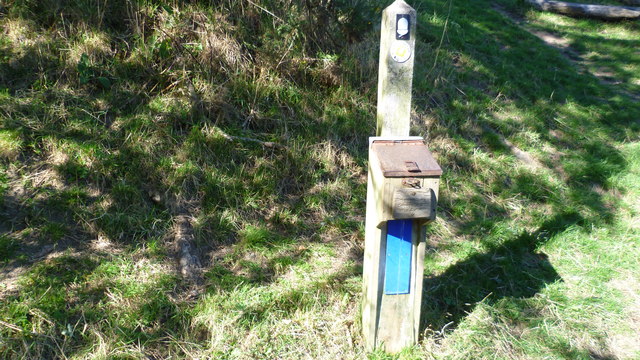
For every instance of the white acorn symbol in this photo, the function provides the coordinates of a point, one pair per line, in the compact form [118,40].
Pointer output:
[403,26]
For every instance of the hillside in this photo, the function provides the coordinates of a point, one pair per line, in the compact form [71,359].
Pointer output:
[129,127]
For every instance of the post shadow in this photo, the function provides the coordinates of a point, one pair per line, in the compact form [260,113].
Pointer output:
[513,269]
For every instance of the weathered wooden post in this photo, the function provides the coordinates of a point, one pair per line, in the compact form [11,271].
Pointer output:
[402,195]
[395,72]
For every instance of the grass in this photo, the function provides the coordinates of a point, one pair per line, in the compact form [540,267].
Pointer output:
[106,107]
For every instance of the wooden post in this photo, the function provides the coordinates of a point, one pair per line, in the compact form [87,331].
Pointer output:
[395,72]
[402,195]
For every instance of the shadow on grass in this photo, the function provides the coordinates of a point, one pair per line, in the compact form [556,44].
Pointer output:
[514,269]
[114,147]
[571,113]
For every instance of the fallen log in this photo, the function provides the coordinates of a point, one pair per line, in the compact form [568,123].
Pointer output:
[605,12]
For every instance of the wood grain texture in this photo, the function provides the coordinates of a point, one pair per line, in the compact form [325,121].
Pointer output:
[413,204]
[405,158]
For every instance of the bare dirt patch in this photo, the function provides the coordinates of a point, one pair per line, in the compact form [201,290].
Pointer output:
[552,39]
[10,274]
[29,186]
[9,280]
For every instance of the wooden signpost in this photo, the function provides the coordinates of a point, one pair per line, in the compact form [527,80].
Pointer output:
[402,195]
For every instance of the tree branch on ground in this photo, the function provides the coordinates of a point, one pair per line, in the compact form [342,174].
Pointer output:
[604,12]
[182,242]
[268,144]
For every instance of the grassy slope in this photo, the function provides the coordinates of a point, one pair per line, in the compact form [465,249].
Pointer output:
[534,254]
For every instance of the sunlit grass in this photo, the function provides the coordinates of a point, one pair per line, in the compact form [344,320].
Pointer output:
[10,144]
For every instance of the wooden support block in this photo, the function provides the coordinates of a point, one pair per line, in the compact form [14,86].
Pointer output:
[414,204]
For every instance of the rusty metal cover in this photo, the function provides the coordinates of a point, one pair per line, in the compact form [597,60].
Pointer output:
[405,158]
